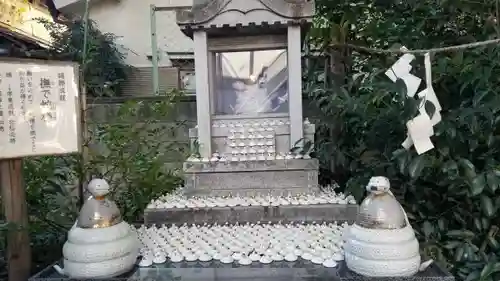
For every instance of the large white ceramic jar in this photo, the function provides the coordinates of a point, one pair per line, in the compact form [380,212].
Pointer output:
[100,244]
[382,242]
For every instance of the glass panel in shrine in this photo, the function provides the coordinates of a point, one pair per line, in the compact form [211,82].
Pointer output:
[188,81]
[250,83]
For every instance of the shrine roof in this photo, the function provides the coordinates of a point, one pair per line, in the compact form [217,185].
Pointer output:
[16,44]
[244,15]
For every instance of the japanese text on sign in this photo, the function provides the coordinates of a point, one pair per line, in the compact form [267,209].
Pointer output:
[38,109]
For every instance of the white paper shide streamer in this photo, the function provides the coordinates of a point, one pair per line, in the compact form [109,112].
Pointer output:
[420,128]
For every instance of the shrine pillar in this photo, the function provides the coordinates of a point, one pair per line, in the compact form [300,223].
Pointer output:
[203,100]
[295,84]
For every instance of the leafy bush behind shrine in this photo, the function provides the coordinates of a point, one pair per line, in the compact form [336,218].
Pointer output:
[451,193]
[130,151]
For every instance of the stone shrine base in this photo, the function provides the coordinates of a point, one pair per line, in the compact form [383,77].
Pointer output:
[275,177]
[326,206]
[276,271]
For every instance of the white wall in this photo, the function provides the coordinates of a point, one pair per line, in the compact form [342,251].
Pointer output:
[130,20]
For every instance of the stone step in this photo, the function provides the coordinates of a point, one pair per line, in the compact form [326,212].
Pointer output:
[276,271]
[293,176]
[253,214]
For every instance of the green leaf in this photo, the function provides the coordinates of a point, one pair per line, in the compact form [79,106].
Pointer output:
[398,153]
[465,234]
[458,216]
[450,245]
[459,253]
[430,108]
[410,108]
[441,224]
[468,252]
[487,206]
[489,269]
[428,229]
[485,222]
[473,276]
[477,185]
[467,167]
[449,166]
[416,166]
[401,88]
[493,182]
[478,97]
[458,58]
[477,224]
[493,242]
[497,171]
[402,157]
[491,140]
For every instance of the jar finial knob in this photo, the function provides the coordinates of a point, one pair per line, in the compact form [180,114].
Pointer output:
[378,185]
[98,187]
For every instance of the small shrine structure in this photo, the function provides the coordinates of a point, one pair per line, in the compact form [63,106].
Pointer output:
[249,98]
[248,66]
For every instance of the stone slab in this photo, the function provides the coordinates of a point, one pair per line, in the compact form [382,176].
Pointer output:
[251,183]
[277,271]
[256,166]
[253,214]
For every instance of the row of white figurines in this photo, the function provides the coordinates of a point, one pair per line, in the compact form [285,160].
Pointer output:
[250,150]
[256,137]
[252,144]
[321,244]
[181,201]
[250,131]
[241,156]
[255,125]
[328,190]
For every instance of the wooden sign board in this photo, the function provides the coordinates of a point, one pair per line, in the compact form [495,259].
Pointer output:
[39,108]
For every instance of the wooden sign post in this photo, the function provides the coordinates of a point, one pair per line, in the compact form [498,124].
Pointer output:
[39,115]
[16,214]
